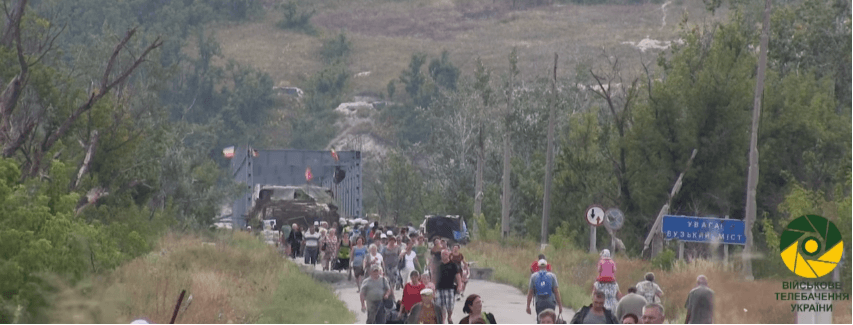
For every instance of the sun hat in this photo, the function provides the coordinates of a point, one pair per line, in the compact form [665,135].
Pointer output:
[426,292]
[383,236]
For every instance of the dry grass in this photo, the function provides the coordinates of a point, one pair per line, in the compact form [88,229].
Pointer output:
[386,33]
[738,301]
[233,278]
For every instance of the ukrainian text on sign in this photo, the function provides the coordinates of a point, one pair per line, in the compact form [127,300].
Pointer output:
[707,230]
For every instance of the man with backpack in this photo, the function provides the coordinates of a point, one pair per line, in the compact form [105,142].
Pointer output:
[543,285]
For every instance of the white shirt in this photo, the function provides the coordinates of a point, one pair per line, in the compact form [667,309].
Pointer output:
[311,240]
[374,259]
[410,260]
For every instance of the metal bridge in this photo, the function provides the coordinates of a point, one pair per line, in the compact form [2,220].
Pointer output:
[257,167]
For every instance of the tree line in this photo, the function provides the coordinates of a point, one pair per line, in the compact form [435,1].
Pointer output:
[625,133]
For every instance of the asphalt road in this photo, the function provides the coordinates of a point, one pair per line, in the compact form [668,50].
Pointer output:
[506,302]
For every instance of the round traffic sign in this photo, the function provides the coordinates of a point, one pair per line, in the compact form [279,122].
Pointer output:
[613,219]
[595,215]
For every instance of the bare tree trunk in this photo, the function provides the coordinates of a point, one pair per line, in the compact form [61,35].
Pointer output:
[506,189]
[549,158]
[655,233]
[87,160]
[752,177]
[13,23]
[478,178]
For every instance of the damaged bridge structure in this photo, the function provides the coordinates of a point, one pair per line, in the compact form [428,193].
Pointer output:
[295,186]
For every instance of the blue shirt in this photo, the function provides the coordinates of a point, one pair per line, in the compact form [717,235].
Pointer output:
[358,255]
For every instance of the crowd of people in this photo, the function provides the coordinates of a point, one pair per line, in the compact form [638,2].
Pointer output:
[431,277]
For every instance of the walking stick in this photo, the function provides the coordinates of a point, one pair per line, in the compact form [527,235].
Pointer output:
[178,306]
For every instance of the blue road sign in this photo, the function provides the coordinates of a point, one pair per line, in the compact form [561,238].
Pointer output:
[705,230]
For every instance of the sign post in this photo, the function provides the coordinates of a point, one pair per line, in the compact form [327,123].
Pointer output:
[613,220]
[595,217]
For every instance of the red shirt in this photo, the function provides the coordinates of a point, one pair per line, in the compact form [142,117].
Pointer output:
[412,295]
[535,267]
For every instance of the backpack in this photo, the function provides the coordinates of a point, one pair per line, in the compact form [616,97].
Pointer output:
[543,284]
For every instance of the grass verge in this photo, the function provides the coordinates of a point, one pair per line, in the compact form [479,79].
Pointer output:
[737,301]
[232,277]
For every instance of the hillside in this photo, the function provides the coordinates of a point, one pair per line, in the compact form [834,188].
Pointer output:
[230,277]
[386,33]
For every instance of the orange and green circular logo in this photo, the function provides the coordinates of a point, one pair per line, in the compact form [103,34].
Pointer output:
[811,246]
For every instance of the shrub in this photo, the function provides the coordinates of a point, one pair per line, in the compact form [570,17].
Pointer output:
[664,260]
[336,48]
[296,19]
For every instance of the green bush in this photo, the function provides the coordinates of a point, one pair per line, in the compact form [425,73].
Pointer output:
[296,19]
[485,231]
[336,48]
[563,237]
[665,260]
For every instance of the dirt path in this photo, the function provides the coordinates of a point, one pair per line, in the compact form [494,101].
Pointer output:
[506,302]
[663,19]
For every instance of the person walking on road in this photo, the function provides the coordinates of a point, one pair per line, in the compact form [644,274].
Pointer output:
[330,249]
[449,282]
[653,314]
[474,308]
[312,245]
[649,289]
[359,252]
[374,258]
[595,313]
[391,256]
[410,261]
[375,289]
[457,257]
[700,303]
[632,303]
[436,256]
[422,252]
[411,293]
[426,312]
[295,240]
[544,286]
[344,253]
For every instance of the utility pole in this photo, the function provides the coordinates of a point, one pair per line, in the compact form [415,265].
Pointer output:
[549,159]
[752,178]
[482,84]
[505,198]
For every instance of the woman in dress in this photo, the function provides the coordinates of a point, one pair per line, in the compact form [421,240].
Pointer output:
[359,252]
[330,245]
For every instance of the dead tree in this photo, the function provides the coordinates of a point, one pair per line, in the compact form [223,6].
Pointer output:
[17,128]
[620,98]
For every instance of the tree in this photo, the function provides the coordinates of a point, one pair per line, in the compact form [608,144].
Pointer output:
[620,96]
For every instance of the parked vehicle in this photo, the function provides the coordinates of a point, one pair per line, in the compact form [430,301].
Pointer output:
[449,227]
